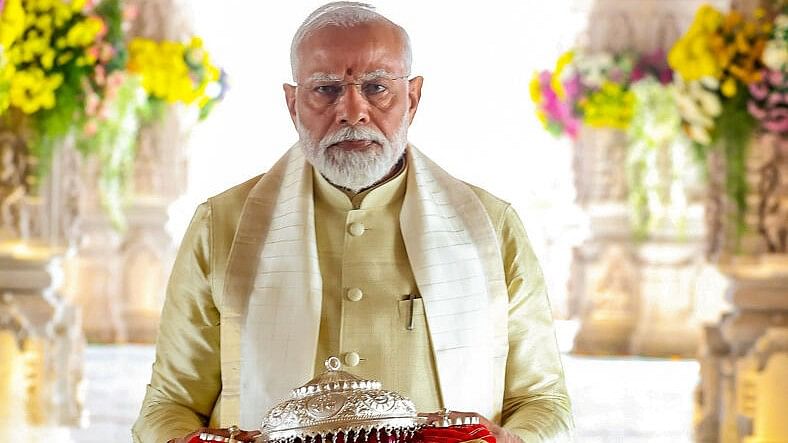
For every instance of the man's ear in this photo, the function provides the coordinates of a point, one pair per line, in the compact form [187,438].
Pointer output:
[414,93]
[290,98]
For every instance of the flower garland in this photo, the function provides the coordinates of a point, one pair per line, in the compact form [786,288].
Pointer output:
[718,63]
[628,92]
[66,71]
[585,88]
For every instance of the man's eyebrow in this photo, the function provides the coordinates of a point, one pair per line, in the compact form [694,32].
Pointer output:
[376,74]
[324,77]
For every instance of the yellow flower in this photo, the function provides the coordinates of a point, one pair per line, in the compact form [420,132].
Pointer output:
[728,87]
[165,73]
[77,5]
[47,59]
[12,22]
[535,89]
[83,33]
[31,90]
[555,80]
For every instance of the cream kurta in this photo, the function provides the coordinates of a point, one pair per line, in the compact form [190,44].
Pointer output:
[186,381]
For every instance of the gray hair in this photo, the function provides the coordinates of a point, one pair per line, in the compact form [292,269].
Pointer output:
[346,15]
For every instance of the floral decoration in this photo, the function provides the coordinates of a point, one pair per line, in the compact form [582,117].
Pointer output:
[66,72]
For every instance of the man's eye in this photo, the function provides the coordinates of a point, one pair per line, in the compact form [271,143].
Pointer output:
[374,88]
[328,89]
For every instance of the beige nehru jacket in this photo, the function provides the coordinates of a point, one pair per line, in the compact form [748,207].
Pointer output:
[368,289]
[373,266]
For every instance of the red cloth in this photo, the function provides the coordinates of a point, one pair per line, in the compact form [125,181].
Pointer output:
[455,434]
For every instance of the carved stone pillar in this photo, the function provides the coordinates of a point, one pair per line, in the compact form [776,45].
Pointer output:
[120,276]
[738,395]
[604,289]
[39,328]
[160,174]
[631,297]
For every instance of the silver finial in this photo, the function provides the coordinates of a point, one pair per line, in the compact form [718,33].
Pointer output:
[333,363]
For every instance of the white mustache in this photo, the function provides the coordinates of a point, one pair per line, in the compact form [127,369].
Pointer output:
[350,133]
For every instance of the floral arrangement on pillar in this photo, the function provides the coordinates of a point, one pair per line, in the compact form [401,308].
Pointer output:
[728,98]
[722,85]
[68,74]
[632,93]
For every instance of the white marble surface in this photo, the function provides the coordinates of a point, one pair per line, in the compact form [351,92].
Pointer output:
[614,399]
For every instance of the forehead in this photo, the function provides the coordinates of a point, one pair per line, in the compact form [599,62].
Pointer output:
[354,51]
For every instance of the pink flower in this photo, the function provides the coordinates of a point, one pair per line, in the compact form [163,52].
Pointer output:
[92,103]
[759,91]
[777,126]
[775,78]
[90,129]
[100,74]
[774,99]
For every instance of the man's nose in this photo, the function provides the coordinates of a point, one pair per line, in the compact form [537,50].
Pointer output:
[352,107]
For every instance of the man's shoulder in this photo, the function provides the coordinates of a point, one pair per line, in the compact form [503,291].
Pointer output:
[495,206]
[226,207]
[234,196]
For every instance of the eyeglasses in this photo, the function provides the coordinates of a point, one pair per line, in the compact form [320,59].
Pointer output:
[379,91]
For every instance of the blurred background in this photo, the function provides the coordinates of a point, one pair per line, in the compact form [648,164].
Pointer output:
[642,142]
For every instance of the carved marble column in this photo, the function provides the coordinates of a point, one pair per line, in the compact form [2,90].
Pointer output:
[738,393]
[160,174]
[632,297]
[147,250]
[120,276]
[39,327]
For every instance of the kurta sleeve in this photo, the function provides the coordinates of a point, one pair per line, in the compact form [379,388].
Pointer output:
[536,405]
[185,382]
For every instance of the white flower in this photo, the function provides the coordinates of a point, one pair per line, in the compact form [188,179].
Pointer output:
[699,134]
[710,103]
[710,82]
[593,67]
[775,54]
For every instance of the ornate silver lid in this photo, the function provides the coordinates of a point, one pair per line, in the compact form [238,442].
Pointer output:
[338,403]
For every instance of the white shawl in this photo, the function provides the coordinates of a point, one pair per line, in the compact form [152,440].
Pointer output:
[271,305]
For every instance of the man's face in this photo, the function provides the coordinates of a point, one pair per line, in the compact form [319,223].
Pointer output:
[353,134]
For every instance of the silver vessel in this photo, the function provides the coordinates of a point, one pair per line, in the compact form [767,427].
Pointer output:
[339,407]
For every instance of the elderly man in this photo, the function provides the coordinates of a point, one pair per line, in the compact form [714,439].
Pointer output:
[355,244]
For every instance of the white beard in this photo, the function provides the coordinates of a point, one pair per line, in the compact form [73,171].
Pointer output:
[354,170]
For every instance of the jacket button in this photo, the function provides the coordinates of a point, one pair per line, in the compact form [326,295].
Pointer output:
[354,294]
[356,229]
[352,359]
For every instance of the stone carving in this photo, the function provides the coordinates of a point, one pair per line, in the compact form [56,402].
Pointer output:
[600,170]
[748,339]
[48,337]
[39,222]
[14,184]
[772,188]
[609,310]
[766,218]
